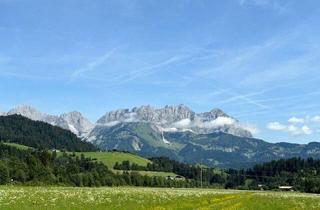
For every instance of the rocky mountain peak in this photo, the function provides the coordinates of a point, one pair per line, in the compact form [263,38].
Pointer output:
[26,111]
[213,114]
[73,121]
[177,118]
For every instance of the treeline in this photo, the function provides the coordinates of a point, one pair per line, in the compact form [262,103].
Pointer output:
[36,134]
[35,167]
[302,174]
[208,176]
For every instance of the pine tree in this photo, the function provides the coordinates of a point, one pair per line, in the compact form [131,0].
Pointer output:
[4,173]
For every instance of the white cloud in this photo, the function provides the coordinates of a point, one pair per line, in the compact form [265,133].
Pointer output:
[251,128]
[293,130]
[130,117]
[219,122]
[290,129]
[295,120]
[316,119]
[110,124]
[185,123]
[276,126]
[306,130]
[168,129]
[216,123]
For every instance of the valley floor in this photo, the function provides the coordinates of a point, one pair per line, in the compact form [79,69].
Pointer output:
[15,197]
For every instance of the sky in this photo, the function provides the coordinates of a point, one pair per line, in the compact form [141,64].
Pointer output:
[258,60]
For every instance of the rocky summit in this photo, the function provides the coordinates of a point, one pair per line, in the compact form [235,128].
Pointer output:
[177,119]
[72,121]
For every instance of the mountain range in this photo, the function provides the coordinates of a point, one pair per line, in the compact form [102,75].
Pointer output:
[73,121]
[212,138]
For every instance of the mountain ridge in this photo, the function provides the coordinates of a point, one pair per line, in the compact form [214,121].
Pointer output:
[177,118]
[73,121]
[213,138]
[169,118]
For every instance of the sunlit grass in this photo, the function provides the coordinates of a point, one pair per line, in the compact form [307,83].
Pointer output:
[110,158]
[150,198]
[18,146]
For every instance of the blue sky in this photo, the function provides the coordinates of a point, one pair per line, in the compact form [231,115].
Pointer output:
[258,60]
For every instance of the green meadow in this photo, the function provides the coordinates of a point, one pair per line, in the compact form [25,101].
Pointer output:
[110,158]
[61,198]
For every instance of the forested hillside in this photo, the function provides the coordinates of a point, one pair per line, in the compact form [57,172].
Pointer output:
[36,167]
[36,134]
[302,174]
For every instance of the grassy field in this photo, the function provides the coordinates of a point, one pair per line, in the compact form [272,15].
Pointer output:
[18,146]
[151,173]
[110,158]
[151,198]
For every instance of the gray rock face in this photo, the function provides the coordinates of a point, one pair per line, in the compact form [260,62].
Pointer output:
[75,122]
[168,114]
[212,115]
[72,121]
[29,112]
[178,118]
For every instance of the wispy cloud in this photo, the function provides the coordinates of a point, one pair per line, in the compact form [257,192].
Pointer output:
[279,7]
[5,59]
[246,98]
[91,65]
[24,76]
[148,70]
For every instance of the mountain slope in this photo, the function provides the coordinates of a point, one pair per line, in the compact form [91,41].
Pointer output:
[21,130]
[214,149]
[138,137]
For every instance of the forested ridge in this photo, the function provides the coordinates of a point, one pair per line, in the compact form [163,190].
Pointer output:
[36,134]
[40,167]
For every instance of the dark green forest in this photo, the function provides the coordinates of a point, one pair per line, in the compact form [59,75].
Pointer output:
[36,167]
[36,134]
[40,167]
[302,174]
